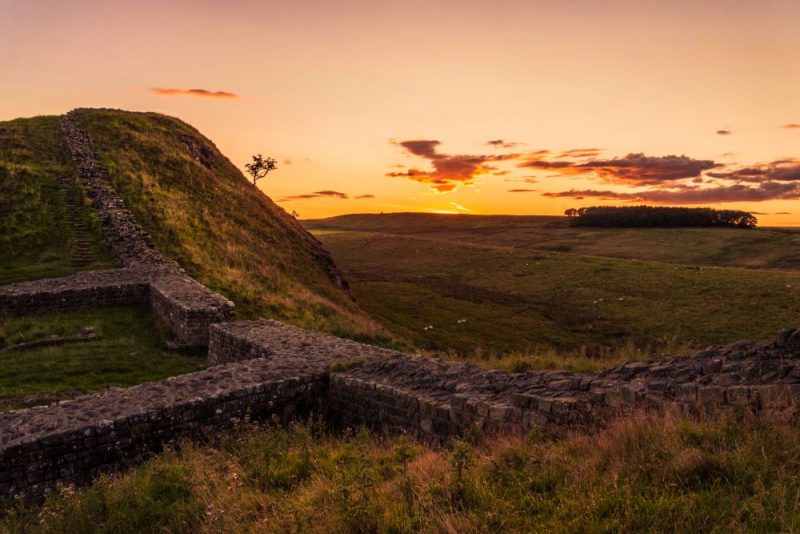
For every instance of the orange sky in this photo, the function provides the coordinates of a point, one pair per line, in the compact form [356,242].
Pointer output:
[345,93]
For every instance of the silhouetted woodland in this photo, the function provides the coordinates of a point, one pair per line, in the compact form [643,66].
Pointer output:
[656,216]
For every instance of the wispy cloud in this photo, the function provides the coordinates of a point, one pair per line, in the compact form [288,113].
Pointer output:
[459,207]
[522,190]
[193,92]
[791,125]
[360,197]
[784,170]
[317,194]
[694,195]
[724,132]
[502,143]
[580,153]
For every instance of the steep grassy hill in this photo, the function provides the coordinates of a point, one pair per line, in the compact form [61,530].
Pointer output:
[201,211]
[774,248]
[36,237]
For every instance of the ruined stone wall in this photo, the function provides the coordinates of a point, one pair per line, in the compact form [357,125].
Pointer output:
[127,240]
[435,400]
[188,307]
[73,442]
[280,369]
[92,289]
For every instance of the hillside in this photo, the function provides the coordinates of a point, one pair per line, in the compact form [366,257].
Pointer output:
[45,230]
[201,211]
[773,248]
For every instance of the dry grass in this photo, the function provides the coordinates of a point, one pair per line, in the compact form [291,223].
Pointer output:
[642,474]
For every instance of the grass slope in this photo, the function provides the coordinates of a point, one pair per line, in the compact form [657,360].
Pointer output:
[504,299]
[201,211]
[35,238]
[775,248]
[659,474]
[129,349]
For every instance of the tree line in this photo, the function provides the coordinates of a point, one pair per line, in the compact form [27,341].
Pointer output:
[656,216]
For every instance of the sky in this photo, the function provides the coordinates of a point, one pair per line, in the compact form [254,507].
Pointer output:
[480,107]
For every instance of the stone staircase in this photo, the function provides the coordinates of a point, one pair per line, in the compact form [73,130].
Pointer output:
[81,253]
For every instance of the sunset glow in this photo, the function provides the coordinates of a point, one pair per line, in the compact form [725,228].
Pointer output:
[505,106]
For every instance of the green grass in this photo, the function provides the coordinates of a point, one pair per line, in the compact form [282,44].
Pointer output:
[492,300]
[202,212]
[130,348]
[643,474]
[774,248]
[35,238]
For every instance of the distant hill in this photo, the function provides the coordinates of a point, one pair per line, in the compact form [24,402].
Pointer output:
[196,204]
[765,247]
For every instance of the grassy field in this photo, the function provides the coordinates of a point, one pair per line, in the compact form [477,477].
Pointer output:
[129,349]
[202,212]
[481,300]
[657,474]
[35,239]
[774,248]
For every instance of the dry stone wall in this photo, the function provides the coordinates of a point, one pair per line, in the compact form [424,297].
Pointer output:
[277,369]
[92,289]
[75,441]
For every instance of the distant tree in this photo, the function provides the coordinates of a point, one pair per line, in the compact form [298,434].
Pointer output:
[260,167]
[659,216]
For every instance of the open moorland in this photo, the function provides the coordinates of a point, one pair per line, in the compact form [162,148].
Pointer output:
[539,290]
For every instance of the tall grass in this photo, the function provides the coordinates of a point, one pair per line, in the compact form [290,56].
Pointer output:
[643,474]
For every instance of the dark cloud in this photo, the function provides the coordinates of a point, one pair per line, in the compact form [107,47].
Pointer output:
[522,190]
[695,195]
[193,92]
[791,125]
[365,196]
[449,171]
[501,143]
[523,180]
[724,132]
[633,169]
[317,194]
[784,170]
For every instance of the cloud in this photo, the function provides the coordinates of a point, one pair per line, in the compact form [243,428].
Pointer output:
[502,143]
[365,196]
[791,125]
[193,92]
[694,195]
[523,180]
[317,194]
[724,132]
[459,207]
[784,170]
[449,171]
[633,169]
[287,161]
[580,153]
[522,190]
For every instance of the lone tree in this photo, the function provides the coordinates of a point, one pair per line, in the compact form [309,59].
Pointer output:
[260,167]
